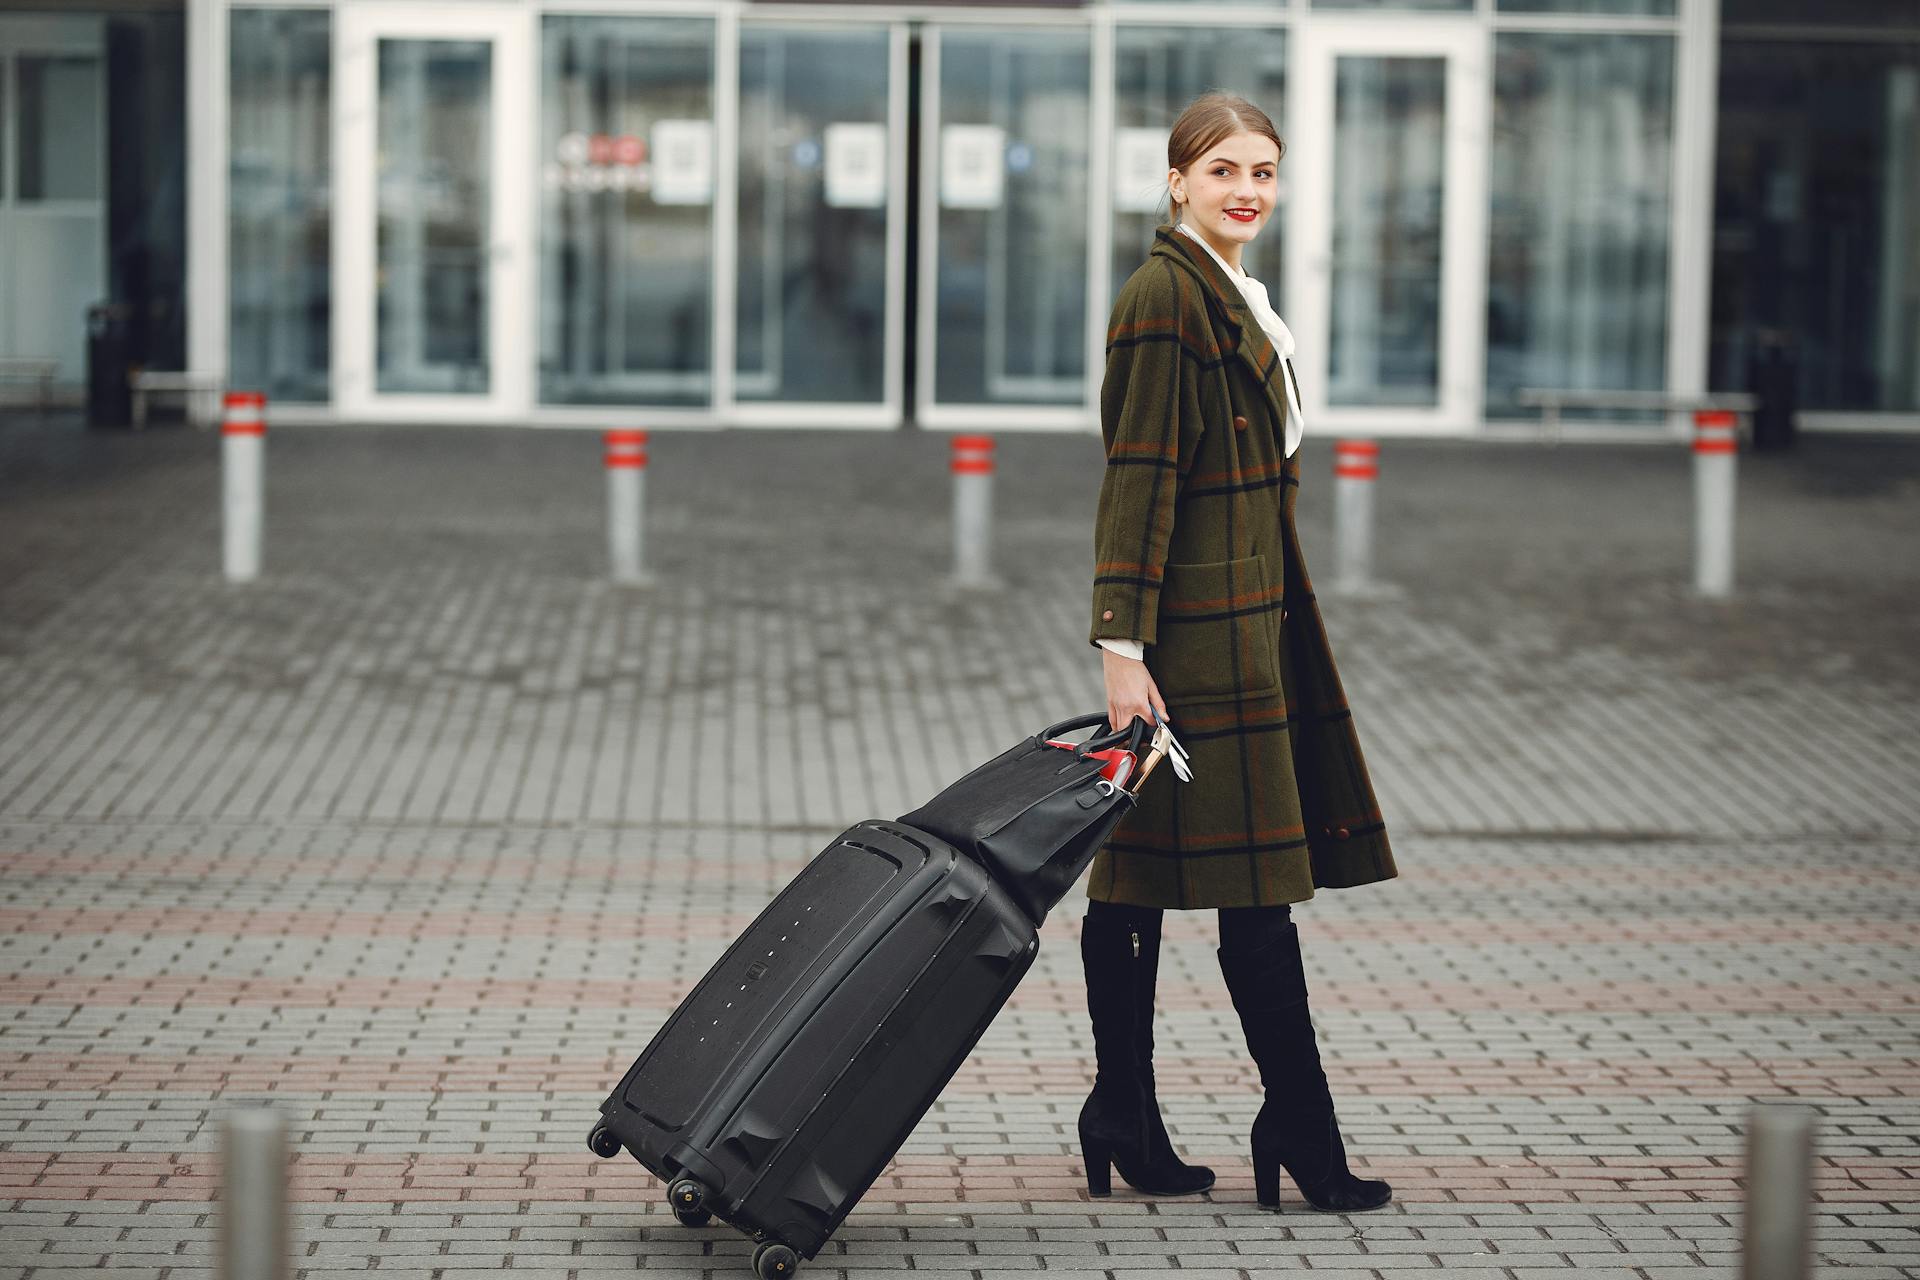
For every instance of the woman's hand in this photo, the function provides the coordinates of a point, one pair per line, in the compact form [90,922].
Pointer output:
[1130,691]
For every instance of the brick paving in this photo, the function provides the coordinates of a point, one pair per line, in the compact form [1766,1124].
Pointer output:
[420,838]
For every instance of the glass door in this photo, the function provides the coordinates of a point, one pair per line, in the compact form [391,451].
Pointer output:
[1386,267]
[820,265]
[432,315]
[1005,186]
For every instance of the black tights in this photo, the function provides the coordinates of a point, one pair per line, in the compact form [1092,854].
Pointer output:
[1242,929]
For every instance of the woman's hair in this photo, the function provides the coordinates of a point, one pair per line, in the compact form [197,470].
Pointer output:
[1207,119]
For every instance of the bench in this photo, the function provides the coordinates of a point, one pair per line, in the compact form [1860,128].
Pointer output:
[33,369]
[201,392]
[1550,401]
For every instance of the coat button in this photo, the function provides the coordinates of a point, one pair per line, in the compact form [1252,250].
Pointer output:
[1341,833]
[1107,616]
[1239,423]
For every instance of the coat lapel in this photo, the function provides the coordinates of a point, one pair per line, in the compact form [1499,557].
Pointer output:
[1250,341]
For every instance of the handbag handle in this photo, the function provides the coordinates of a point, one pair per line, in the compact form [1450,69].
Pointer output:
[1133,735]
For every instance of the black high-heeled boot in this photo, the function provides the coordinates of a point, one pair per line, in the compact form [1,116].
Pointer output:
[1120,1124]
[1296,1129]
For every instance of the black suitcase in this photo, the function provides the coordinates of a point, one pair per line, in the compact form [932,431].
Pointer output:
[809,1028]
[779,1089]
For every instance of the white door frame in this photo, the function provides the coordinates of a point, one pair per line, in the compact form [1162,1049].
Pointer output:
[1310,113]
[511,304]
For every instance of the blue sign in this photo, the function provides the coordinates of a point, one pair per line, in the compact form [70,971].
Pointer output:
[806,153]
[1019,157]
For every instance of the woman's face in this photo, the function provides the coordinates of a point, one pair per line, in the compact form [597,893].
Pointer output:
[1229,192]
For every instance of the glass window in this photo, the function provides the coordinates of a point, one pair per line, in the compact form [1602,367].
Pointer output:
[1580,194]
[1389,146]
[1012,186]
[1157,72]
[1817,220]
[279,221]
[1455,6]
[59,116]
[813,215]
[434,125]
[1657,8]
[626,229]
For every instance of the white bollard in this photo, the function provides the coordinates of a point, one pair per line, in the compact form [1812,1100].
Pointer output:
[1715,446]
[254,1241]
[243,447]
[626,462]
[1778,1235]
[1356,465]
[972,467]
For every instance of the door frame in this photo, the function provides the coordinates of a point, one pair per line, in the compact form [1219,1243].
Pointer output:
[510,287]
[1465,45]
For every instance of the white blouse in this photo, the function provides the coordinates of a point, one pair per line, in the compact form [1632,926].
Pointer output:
[1282,339]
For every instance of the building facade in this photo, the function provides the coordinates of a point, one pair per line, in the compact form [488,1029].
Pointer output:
[698,213]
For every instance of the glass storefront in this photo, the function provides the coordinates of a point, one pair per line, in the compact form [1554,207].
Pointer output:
[432,239]
[279,206]
[719,206]
[1013,191]
[811,306]
[1817,216]
[1581,204]
[627,200]
[1389,152]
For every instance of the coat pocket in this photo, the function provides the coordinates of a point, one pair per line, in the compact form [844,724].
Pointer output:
[1216,639]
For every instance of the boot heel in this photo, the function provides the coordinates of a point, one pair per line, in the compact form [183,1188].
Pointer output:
[1099,1158]
[1266,1184]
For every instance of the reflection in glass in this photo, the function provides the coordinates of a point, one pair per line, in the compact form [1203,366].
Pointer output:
[435,191]
[278,210]
[1657,8]
[626,224]
[1157,72]
[1389,157]
[1577,250]
[1457,6]
[813,214]
[59,114]
[1012,159]
[1817,221]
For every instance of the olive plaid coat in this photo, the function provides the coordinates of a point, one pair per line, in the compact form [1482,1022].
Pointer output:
[1196,554]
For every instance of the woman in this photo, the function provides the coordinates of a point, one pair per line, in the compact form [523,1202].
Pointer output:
[1206,618]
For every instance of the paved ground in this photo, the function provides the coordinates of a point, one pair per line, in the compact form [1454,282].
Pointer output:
[422,836]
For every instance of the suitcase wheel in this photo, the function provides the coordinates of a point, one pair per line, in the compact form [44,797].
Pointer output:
[688,1199]
[602,1142]
[775,1261]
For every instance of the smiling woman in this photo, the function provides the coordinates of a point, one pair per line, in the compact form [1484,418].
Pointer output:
[1202,604]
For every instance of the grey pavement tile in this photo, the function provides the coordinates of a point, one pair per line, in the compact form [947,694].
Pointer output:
[433,747]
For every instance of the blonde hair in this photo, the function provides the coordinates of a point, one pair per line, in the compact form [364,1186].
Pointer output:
[1207,119]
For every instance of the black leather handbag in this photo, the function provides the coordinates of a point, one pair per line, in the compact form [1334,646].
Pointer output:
[1036,814]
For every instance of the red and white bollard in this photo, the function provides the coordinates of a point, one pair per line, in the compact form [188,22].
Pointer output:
[1356,465]
[1715,446]
[626,461]
[972,467]
[243,447]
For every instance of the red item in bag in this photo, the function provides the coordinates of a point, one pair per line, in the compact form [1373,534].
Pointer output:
[1118,761]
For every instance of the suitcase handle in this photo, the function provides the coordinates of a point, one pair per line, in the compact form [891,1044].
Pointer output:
[1133,735]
